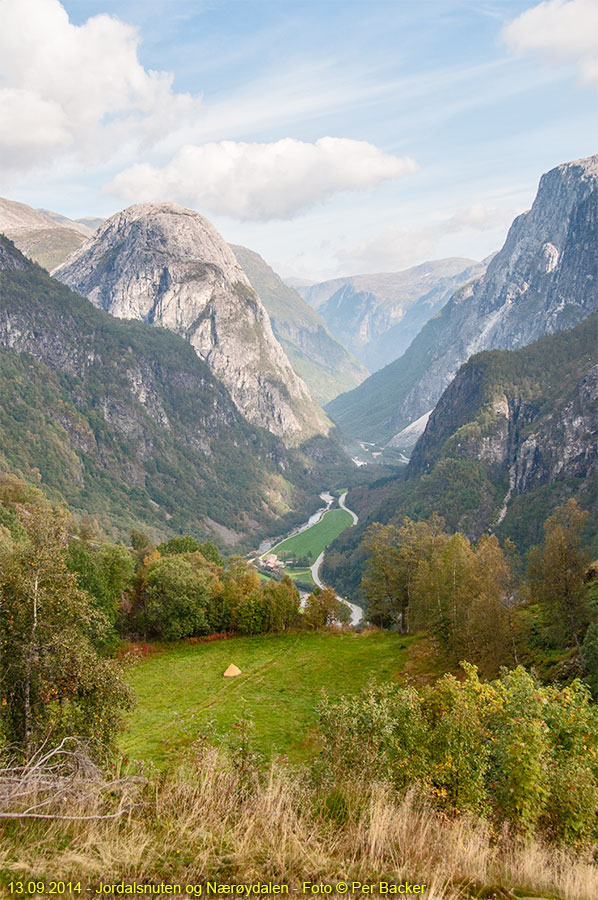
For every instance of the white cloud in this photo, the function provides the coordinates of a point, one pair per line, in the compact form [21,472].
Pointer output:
[261,181]
[76,89]
[78,96]
[559,31]
[396,247]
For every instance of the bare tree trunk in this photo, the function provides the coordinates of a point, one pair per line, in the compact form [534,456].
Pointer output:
[512,633]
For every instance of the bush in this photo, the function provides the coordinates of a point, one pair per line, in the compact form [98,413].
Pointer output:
[179,592]
[528,753]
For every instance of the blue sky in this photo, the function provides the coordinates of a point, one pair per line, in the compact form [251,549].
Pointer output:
[444,114]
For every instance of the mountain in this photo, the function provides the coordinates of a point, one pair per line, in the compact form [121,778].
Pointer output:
[325,366]
[544,279]
[43,236]
[168,266]
[127,423]
[377,316]
[79,225]
[513,436]
[91,222]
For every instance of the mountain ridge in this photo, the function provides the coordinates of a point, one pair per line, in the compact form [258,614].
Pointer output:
[545,278]
[167,265]
[40,234]
[323,363]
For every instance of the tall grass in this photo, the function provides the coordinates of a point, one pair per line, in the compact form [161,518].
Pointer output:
[218,818]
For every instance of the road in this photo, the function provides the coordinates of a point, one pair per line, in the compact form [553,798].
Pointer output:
[356,611]
[341,503]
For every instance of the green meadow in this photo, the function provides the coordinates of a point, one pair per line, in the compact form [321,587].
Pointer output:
[315,539]
[182,694]
[302,575]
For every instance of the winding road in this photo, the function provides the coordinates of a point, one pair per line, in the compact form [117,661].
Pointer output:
[356,611]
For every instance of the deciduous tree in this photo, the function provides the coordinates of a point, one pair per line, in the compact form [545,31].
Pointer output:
[52,680]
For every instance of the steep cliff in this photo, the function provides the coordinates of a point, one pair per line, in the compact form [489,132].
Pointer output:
[168,266]
[326,366]
[527,418]
[544,279]
[128,424]
[514,435]
[377,316]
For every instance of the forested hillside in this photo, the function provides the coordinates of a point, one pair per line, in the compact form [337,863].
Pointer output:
[512,436]
[127,424]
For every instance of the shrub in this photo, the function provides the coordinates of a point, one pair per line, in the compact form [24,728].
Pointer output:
[527,752]
[179,591]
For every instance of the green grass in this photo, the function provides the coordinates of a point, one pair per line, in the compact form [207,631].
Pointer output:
[181,692]
[316,538]
[303,575]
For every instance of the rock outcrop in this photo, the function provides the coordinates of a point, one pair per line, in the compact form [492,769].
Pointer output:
[168,266]
[326,366]
[544,279]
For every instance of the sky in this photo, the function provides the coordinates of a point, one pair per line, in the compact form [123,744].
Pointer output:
[333,137]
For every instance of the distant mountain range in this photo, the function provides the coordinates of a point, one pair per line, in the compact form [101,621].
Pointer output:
[544,279]
[377,316]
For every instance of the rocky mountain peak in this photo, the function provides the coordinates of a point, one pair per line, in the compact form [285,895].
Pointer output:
[179,232]
[543,280]
[169,266]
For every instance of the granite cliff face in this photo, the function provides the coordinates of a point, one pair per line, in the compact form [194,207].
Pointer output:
[168,266]
[544,279]
[325,365]
[377,316]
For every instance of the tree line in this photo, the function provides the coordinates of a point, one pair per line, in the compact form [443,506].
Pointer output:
[68,598]
[475,600]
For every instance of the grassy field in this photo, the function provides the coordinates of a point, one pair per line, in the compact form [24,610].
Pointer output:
[316,538]
[181,691]
[303,575]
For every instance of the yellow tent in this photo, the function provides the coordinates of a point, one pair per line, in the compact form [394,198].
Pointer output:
[232,671]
